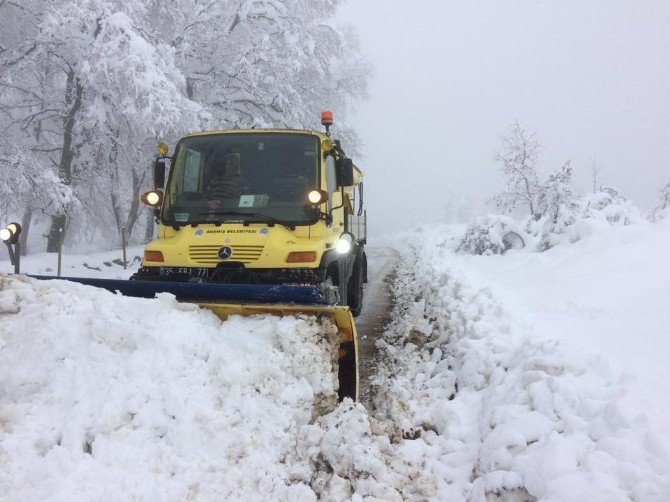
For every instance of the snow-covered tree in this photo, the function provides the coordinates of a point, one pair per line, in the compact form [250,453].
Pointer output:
[551,205]
[517,158]
[556,206]
[89,86]
[27,187]
[265,62]
[555,196]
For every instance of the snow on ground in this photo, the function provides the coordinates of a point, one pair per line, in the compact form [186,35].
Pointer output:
[104,265]
[508,406]
[104,397]
[606,295]
[494,379]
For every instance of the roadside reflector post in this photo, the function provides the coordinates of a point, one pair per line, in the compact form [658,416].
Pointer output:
[17,257]
[123,244]
[60,249]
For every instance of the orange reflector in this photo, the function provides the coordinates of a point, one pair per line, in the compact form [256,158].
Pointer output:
[301,257]
[341,353]
[153,256]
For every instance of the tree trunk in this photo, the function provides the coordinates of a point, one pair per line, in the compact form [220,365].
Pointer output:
[115,183]
[139,177]
[73,95]
[25,228]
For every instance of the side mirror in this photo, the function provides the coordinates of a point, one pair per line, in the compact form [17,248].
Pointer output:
[345,172]
[159,173]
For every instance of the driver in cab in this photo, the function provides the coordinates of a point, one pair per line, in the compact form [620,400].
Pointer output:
[225,184]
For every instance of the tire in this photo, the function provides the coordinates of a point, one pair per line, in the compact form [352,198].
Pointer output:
[355,289]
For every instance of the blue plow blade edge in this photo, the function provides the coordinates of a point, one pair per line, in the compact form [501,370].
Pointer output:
[199,292]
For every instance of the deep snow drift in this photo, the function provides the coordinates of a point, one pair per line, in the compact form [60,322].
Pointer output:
[502,406]
[607,295]
[497,375]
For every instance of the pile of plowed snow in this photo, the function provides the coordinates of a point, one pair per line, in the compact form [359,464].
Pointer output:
[104,397]
[494,405]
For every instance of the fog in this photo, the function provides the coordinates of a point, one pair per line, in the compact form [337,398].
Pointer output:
[591,78]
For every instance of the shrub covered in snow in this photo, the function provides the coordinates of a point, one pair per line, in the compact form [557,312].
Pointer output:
[553,214]
[493,234]
[577,218]
[560,218]
[610,206]
[663,209]
[558,209]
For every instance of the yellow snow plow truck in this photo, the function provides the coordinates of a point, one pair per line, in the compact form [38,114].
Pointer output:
[272,221]
[259,221]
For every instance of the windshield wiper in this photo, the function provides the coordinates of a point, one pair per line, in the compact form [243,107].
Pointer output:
[271,221]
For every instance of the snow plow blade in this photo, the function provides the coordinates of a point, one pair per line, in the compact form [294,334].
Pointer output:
[252,299]
[202,292]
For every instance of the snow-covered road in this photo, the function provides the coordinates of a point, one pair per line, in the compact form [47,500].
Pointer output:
[375,314]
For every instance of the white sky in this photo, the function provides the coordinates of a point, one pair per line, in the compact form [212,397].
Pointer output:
[592,78]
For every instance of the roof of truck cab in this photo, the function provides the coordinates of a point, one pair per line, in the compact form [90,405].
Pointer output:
[322,135]
[257,131]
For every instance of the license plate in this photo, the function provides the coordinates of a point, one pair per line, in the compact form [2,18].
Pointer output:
[191,271]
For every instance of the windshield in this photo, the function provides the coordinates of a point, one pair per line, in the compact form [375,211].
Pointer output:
[243,177]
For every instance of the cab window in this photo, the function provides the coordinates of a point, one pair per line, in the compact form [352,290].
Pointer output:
[192,170]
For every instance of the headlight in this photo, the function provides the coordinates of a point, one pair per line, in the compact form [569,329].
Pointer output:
[344,243]
[317,197]
[153,198]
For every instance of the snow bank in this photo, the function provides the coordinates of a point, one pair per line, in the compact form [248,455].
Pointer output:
[501,411]
[469,405]
[107,397]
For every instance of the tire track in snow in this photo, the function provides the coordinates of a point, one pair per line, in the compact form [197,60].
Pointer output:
[375,315]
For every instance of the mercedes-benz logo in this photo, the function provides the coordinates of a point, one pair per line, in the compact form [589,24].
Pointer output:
[225,252]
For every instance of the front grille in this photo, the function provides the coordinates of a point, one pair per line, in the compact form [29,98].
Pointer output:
[208,255]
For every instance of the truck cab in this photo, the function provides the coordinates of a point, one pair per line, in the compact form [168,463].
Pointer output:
[259,206]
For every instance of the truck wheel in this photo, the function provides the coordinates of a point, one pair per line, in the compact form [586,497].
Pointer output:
[355,289]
